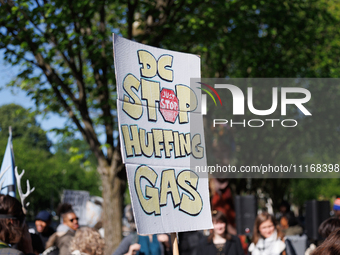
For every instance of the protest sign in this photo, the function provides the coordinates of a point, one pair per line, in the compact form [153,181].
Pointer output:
[78,199]
[162,137]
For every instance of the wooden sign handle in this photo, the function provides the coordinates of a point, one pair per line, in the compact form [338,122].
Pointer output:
[174,242]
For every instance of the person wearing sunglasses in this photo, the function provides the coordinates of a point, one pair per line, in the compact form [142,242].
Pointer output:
[65,231]
[71,220]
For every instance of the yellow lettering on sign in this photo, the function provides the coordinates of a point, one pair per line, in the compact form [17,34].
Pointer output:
[151,203]
[163,62]
[168,138]
[190,206]
[187,102]
[138,142]
[149,68]
[158,139]
[197,151]
[147,146]
[151,93]
[132,141]
[132,104]
[185,144]
[169,185]
[176,145]
[190,202]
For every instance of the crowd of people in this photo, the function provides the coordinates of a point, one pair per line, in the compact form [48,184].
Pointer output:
[17,239]
[270,236]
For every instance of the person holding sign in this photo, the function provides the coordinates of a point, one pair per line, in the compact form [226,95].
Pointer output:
[143,245]
[267,239]
[220,242]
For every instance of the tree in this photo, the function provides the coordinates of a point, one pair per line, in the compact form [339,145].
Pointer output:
[264,39]
[269,39]
[68,68]
[65,51]
[48,173]
[24,126]
[78,150]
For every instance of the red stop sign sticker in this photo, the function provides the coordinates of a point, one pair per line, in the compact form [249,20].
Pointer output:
[169,105]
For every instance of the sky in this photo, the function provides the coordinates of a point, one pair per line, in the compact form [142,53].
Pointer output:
[16,96]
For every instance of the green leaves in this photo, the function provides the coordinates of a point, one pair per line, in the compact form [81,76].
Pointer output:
[71,167]
[66,48]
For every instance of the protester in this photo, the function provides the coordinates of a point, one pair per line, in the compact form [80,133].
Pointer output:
[87,241]
[188,242]
[222,200]
[143,244]
[131,250]
[129,225]
[295,240]
[65,231]
[284,208]
[325,229]
[37,244]
[42,226]
[13,229]
[336,207]
[220,241]
[289,225]
[267,239]
[331,246]
[328,226]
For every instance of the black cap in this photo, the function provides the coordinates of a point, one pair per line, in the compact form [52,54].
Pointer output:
[44,216]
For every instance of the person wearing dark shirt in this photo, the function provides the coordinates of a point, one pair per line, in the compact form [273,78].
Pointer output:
[13,230]
[220,242]
[42,226]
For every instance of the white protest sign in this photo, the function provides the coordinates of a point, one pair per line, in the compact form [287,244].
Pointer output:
[162,137]
[78,200]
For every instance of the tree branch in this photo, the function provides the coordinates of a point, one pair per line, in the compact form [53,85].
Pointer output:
[130,16]
[54,79]
[101,81]
[104,99]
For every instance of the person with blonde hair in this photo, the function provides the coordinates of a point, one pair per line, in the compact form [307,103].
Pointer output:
[87,241]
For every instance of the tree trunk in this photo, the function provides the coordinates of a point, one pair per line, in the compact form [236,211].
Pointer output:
[113,190]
